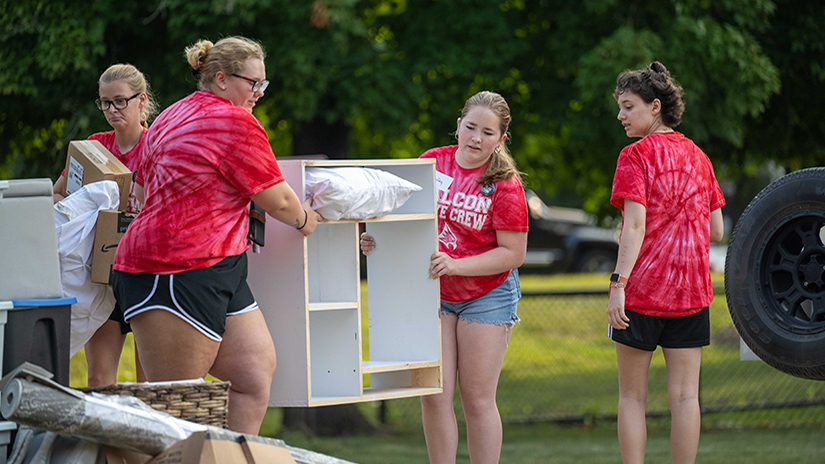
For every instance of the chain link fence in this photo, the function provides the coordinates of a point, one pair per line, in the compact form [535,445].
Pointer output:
[560,366]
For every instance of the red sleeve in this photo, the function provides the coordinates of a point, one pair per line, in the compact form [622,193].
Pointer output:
[630,181]
[510,207]
[252,168]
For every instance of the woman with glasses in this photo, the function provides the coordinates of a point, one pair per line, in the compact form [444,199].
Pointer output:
[127,103]
[180,269]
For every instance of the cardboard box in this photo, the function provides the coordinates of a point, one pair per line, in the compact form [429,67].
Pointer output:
[111,225]
[213,447]
[88,161]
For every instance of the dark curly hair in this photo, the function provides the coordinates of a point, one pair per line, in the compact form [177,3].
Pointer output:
[651,83]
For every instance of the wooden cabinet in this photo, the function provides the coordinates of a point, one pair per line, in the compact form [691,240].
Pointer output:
[309,290]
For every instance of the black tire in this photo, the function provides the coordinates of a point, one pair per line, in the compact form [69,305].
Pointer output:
[775,274]
[598,260]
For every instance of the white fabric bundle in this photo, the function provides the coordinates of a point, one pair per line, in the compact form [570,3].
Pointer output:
[356,193]
[75,219]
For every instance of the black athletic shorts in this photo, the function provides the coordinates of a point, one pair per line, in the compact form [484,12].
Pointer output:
[201,297]
[647,332]
[117,316]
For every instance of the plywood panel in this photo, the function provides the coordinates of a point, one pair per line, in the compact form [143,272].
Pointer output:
[276,277]
[334,355]
[403,301]
[332,257]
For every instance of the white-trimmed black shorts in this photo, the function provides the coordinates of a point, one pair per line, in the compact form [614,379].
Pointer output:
[201,297]
[647,332]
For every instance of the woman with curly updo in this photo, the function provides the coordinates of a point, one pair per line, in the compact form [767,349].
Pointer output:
[661,289]
[180,269]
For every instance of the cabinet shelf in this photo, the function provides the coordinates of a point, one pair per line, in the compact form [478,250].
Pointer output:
[332,306]
[368,367]
[388,218]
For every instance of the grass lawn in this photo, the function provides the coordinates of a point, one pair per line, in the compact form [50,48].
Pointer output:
[550,444]
[559,363]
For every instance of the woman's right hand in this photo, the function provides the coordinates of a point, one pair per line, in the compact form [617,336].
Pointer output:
[367,244]
[313,218]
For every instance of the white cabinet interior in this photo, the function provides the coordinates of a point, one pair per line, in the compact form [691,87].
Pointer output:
[309,290]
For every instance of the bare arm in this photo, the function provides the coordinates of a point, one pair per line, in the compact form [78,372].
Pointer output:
[717,225]
[57,193]
[509,254]
[280,202]
[630,242]
[139,194]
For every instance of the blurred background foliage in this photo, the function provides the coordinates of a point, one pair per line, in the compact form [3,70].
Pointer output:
[387,78]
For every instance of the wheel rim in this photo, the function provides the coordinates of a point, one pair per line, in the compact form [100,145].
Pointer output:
[792,273]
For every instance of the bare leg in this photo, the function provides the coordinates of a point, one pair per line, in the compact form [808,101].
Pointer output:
[437,413]
[633,369]
[103,354]
[481,349]
[247,359]
[139,374]
[170,348]
[683,394]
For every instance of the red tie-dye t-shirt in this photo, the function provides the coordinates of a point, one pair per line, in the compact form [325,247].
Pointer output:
[204,157]
[674,180]
[468,220]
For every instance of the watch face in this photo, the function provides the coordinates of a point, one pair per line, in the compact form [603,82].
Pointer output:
[614,277]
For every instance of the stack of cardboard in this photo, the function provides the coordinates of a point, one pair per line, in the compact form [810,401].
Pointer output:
[88,161]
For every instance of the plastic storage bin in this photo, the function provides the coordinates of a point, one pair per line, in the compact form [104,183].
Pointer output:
[30,265]
[38,331]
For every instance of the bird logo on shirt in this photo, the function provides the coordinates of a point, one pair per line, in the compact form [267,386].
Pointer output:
[448,238]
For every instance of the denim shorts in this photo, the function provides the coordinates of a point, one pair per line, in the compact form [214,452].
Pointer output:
[497,307]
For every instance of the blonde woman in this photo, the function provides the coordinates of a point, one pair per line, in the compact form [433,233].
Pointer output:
[180,269]
[482,225]
[127,102]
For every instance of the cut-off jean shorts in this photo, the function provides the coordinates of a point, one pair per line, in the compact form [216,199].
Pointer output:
[497,307]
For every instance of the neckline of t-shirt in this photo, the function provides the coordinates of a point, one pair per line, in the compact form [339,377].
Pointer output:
[471,170]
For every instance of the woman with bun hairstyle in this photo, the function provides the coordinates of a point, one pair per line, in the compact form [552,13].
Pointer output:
[661,289]
[482,240]
[180,269]
[127,102]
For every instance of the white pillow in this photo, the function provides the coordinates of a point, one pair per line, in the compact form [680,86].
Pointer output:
[356,193]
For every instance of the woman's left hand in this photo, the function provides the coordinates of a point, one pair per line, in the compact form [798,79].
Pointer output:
[442,264]
[616,316]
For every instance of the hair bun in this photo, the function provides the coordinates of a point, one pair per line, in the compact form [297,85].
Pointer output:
[658,68]
[196,54]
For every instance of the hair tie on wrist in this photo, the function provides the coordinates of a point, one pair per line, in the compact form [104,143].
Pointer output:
[306,218]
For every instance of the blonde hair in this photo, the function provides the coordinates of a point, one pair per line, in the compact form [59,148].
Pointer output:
[137,82]
[501,166]
[228,56]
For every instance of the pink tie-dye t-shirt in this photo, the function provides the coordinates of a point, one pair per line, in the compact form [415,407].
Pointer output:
[204,157]
[468,220]
[674,180]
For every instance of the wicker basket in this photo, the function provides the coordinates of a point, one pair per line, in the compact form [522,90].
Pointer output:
[201,402]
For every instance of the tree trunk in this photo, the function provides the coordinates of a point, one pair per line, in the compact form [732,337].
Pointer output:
[318,137]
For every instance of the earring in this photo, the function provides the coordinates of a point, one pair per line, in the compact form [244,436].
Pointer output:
[223,87]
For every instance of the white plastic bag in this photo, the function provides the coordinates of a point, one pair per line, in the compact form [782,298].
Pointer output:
[356,193]
[75,219]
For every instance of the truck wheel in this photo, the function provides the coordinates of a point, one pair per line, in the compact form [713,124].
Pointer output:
[775,274]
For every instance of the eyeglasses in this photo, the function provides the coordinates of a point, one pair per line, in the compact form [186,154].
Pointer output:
[119,103]
[257,85]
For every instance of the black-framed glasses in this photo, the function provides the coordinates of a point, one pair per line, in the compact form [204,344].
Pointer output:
[257,85]
[120,103]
